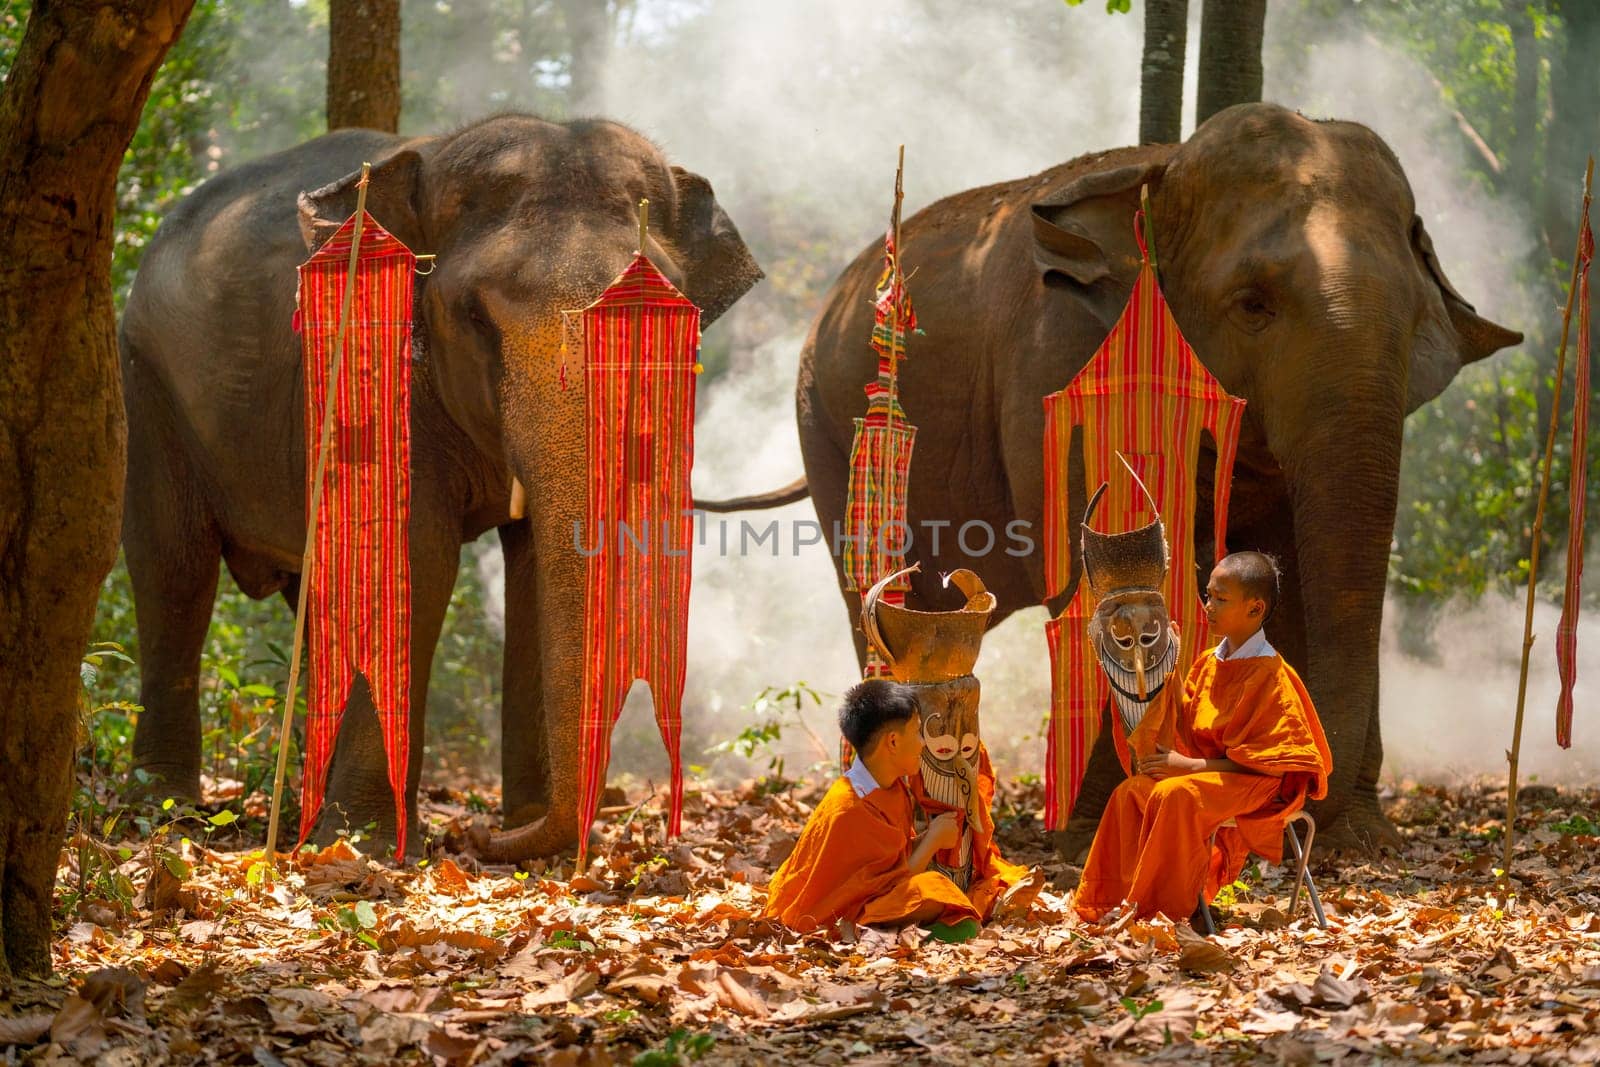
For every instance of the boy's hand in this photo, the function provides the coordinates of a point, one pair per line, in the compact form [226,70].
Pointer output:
[944,831]
[1165,763]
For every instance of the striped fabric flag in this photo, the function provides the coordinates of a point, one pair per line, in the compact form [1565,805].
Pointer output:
[1567,630]
[640,340]
[359,601]
[1144,394]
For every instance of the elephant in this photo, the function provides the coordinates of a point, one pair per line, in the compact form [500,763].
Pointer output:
[1295,264]
[526,217]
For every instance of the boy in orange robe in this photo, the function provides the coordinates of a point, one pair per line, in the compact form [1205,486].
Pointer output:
[859,858]
[1247,746]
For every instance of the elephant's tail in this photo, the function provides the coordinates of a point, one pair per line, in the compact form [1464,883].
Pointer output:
[777,498]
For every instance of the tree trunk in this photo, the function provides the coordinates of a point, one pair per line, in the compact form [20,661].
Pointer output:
[1520,166]
[589,28]
[1574,105]
[1166,35]
[70,106]
[364,64]
[1230,55]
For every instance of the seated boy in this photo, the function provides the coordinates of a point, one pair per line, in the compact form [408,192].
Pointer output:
[1247,746]
[859,858]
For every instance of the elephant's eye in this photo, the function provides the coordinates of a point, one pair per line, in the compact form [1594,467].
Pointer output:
[1123,641]
[482,323]
[1251,309]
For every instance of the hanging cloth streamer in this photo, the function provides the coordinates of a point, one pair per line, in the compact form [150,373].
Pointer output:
[1567,630]
[639,343]
[880,456]
[1144,394]
[359,597]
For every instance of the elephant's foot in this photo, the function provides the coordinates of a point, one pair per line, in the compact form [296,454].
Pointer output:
[523,814]
[153,783]
[373,831]
[1072,844]
[544,837]
[1359,828]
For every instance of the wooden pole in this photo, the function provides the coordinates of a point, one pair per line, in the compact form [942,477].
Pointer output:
[1538,530]
[895,282]
[307,558]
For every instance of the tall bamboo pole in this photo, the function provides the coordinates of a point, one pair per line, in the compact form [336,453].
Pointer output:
[1538,529]
[308,556]
[895,281]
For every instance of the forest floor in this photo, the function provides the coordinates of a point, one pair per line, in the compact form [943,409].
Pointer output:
[657,955]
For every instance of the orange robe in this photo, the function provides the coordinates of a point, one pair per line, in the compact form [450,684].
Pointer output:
[1152,847]
[992,873]
[850,863]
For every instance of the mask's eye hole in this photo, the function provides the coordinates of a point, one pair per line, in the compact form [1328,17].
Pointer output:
[1123,642]
[1149,637]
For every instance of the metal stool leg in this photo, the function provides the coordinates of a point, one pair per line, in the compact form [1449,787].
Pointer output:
[1302,862]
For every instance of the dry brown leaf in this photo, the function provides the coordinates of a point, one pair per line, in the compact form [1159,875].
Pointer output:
[1199,956]
[197,991]
[79,1027]
[24,1029]
[565,990]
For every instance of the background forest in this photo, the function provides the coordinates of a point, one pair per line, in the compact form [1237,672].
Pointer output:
[793,112]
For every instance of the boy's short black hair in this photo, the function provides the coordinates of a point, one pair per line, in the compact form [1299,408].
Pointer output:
[1258,576]
[876,705]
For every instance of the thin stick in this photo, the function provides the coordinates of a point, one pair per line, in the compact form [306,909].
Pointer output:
[894,340]
[644,223]
[308,557]
[1538,528]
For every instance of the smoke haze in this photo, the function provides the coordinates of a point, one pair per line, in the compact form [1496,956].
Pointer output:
[793,111]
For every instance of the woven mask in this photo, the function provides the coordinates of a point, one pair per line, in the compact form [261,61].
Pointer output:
[1131,629]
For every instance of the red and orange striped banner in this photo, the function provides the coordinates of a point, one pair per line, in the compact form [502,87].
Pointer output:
[1144,394]
[640,341]
[1567,630]
[359,600]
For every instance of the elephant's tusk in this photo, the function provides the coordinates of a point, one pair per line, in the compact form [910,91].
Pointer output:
[519,499]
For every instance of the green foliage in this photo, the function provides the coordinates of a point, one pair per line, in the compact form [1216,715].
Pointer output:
[681,1047]
[775,710]
[1138,1010]
[1113,7]
[1577,824]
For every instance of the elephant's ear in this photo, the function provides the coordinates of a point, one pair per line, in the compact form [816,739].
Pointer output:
[718,268]
[1452,333]
[1084,233]
[394,193]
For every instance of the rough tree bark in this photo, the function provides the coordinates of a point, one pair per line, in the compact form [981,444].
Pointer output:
[364,64]
[1571,133]
[1230,55]
[589,27]
[1521,162]
[1166,35]
[70,106]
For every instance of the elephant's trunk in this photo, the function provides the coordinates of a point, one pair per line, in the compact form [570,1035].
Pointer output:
[542,837]
[1343,481]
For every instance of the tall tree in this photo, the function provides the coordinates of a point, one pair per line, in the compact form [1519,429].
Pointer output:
[589,28]
[1230,55]
[1574,126]
[1166,36]
[70,106]
[364,64]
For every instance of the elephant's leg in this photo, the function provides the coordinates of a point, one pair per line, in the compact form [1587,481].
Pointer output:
[524,744]
[174,554]
[358,796]
[1103,774]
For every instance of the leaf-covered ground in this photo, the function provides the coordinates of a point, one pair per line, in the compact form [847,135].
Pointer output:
[656,956]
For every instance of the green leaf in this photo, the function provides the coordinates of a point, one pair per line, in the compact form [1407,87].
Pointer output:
[256,689]
[166,805]
[228,674]
[365,915]
[176,865]
[223,818]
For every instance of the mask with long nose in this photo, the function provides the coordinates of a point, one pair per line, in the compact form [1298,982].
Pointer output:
[1131,629]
